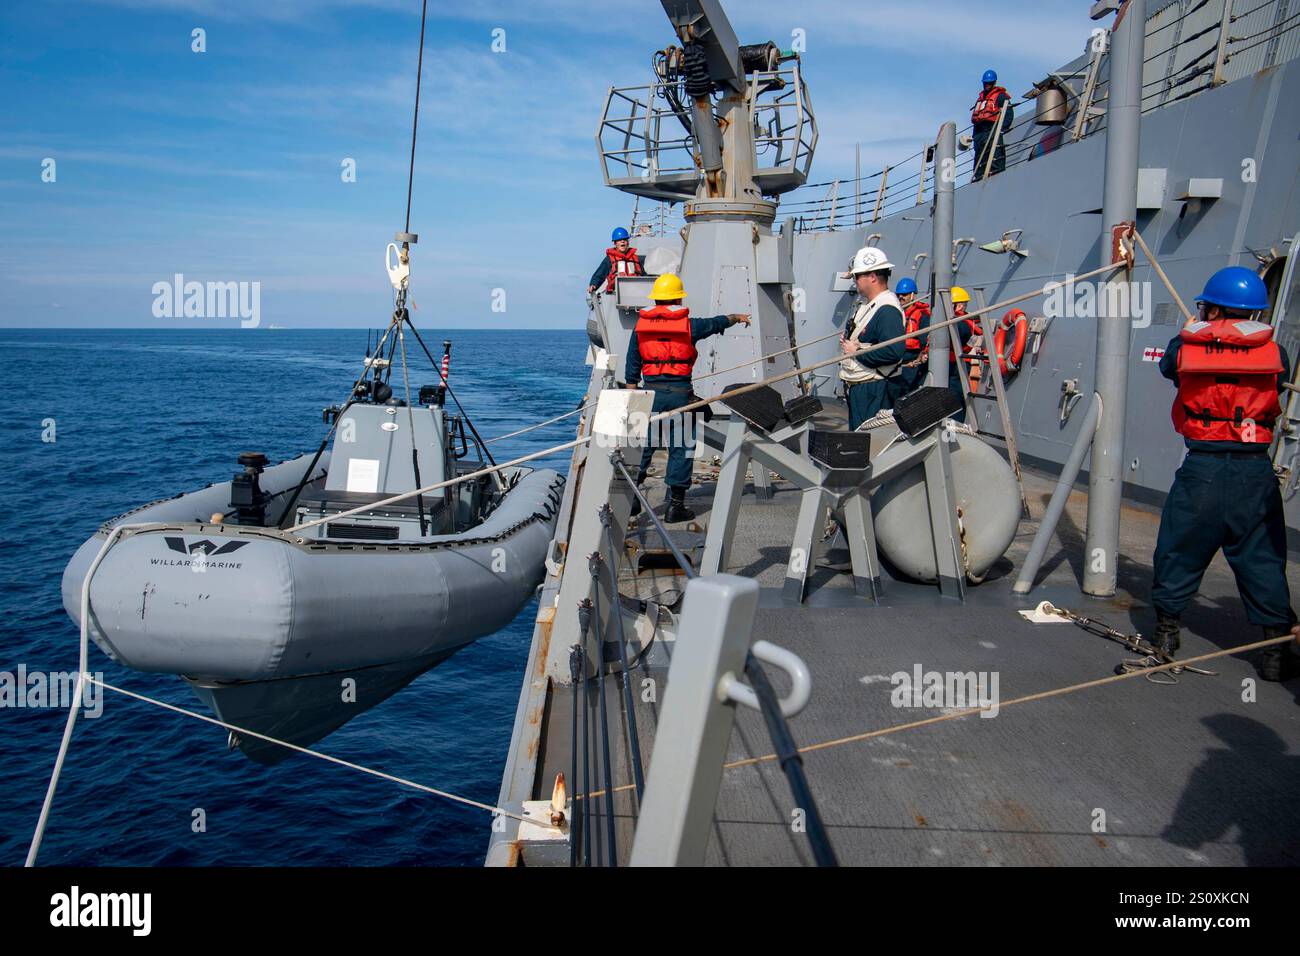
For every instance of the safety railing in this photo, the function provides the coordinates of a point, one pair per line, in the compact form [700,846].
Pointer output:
[785,128]
[699,725]
[1191,46]
[647,148]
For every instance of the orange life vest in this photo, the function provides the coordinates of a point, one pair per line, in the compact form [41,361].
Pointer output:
[663,339]
[913,316]
[622,264]
[1227,382]
[987,107]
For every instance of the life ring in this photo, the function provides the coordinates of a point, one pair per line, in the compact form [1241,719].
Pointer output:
[1009,361]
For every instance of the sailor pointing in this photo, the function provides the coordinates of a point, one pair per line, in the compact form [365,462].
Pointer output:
[872,379]
[1229,372]
[662,353]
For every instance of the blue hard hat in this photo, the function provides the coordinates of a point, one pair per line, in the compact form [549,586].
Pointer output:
[1237,288]
[906,287]
[990,76]
[619,233]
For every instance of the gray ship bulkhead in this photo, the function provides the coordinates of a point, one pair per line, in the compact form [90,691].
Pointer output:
[1055,199]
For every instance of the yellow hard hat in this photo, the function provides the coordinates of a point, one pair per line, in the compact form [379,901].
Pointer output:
[959,294]
[666,288]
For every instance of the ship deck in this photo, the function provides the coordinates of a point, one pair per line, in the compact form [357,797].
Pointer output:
[1133,773]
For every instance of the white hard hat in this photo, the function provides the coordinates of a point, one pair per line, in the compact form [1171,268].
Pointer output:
[867,259]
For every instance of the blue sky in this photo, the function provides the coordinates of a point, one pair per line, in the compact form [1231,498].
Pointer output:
[225,165]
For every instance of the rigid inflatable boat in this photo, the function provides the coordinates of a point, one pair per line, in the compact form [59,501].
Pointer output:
[265,591]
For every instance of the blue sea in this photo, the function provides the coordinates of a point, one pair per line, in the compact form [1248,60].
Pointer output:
[144,414]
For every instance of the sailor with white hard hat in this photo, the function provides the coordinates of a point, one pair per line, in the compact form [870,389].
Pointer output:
[872,379]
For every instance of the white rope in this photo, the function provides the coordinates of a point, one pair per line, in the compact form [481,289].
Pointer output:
[74,707]
[323,756]
[549,421]
[84,677]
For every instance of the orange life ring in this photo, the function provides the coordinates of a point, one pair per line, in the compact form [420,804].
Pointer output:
[1009,361]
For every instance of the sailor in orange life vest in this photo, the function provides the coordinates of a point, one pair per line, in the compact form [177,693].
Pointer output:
[984,116]
[662,352]
[1229,372]
[872,379]
[965,332]
[620,260]
[916,319]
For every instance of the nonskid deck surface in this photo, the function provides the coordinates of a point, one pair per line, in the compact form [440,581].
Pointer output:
[1126,774]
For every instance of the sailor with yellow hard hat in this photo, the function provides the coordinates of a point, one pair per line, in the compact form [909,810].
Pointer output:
[662,353]
[966,331]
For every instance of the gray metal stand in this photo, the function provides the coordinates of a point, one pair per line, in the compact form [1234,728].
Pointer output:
[846,493]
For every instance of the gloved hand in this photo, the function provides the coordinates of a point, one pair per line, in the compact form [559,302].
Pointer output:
[739,318]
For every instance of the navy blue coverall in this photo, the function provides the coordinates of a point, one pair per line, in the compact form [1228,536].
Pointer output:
[960,367]
[866,399]
[671,391]
[1224,495]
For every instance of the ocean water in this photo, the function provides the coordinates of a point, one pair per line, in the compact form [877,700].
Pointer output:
[140,415]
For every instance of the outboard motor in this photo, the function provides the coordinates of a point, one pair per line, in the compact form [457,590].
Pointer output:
[246,494]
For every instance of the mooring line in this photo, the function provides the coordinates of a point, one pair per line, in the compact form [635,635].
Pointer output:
[316,753]
[957,715]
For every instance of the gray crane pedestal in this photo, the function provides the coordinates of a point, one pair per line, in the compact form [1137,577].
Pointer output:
[836,473]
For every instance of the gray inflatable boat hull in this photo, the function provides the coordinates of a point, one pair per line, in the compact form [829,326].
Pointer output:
[263,605]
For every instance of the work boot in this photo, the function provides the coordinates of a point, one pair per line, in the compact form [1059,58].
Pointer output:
[1279,662]
[677,510]
[1169,634]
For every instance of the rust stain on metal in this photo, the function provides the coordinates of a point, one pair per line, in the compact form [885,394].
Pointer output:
[1100,842]
[1019,820]
[920,820]
[545,618]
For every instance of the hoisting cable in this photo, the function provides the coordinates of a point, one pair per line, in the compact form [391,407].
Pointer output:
[447,385]
[415,122]
[410,418]
[306,477]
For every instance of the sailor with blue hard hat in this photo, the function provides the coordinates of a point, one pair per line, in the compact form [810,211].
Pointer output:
[984,116]
[916,319]
[620,260]
[1229,372]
